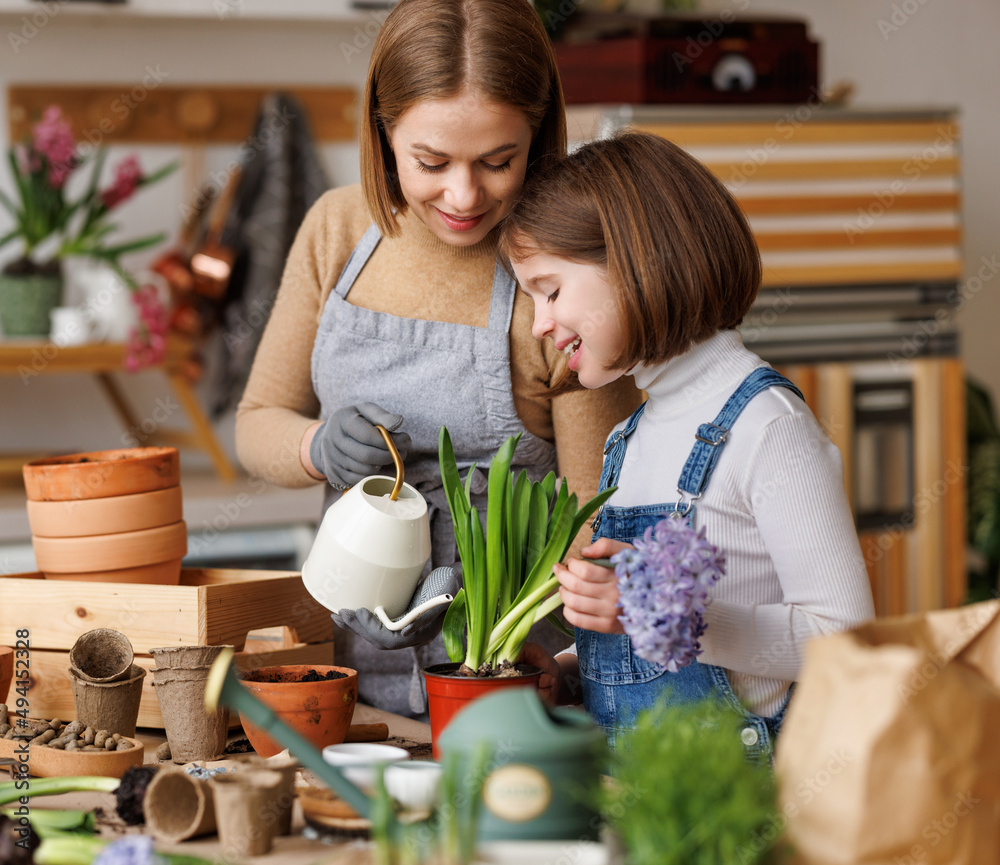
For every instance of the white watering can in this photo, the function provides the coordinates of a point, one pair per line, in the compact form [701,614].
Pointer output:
[371,548]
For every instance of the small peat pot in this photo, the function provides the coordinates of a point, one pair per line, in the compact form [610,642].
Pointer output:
[98,474]
[317,701]
[179,679]
[448,693]
[178,806]
[109,705]
[102,655]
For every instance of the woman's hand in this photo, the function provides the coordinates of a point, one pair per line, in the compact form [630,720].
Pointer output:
[589,591]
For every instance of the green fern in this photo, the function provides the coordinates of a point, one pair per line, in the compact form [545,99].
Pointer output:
[685,794]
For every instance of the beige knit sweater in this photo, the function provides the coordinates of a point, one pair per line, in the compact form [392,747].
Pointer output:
[413,275]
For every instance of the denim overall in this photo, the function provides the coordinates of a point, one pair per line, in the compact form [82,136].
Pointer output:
[617,684]
[434,374]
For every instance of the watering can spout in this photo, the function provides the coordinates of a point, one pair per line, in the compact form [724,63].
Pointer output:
[420,609]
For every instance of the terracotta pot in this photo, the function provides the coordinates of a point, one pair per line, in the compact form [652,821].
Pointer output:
[98,474]
[111,552]
[6,671]
[112,514]
[448,694]
[160,574]
[102,655]
[320,711]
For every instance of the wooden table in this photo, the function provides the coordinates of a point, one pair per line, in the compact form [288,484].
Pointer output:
[293,849]
[30,358]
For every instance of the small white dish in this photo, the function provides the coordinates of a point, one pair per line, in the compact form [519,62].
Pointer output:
[415,784]
[357,760]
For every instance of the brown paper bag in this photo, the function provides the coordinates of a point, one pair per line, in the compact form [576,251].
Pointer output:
[890,752]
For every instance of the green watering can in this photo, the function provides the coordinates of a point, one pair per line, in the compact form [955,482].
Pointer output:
[545,769]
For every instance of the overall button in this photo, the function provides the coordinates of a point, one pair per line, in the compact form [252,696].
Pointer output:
[749,736]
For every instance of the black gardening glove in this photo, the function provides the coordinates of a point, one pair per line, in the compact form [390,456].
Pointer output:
[347,448]
[423,629]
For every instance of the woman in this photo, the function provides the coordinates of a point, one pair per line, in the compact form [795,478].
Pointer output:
[394,310]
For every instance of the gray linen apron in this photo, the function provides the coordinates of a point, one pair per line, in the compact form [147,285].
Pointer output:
[434,374]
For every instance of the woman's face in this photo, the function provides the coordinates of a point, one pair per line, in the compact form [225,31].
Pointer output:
[460,162]
[575,308]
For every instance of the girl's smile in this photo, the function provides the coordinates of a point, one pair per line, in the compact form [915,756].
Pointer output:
[460,162]
[575,308]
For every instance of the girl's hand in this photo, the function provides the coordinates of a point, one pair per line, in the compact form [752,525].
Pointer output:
[589,591]
[548,684]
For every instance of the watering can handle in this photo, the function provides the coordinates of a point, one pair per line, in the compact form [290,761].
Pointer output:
[396,461]
[399,624]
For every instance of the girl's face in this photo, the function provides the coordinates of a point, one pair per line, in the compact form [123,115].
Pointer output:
[575,308]
[460,162]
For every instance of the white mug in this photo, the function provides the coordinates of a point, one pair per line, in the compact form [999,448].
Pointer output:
[69,326]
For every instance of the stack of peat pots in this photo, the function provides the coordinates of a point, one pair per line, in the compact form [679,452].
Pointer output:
[108,516]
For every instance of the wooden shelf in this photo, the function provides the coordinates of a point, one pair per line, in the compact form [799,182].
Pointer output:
[28,359]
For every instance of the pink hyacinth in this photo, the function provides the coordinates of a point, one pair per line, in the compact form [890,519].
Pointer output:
[53,138]
[128,175]
[147,343]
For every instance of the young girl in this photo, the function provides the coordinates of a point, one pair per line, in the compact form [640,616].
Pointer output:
[640,263]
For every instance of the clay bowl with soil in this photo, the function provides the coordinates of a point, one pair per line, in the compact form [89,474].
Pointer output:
[315,700]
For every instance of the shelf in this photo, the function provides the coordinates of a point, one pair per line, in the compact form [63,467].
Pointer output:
[223,10]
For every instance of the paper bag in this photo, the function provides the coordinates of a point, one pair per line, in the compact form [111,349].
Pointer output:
[890,751]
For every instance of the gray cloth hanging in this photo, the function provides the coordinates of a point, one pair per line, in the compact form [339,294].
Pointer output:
[282,177]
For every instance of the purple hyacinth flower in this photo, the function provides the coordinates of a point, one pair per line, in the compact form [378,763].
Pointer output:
[663,587]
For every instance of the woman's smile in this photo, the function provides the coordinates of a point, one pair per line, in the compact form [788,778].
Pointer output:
[460,163]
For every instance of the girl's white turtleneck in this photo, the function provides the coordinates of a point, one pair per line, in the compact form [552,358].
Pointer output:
[775,504]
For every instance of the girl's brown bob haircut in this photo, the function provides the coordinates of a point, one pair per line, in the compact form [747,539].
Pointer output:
[676,248]
[435,49]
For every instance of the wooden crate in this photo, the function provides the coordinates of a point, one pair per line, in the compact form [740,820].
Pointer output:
[209,607]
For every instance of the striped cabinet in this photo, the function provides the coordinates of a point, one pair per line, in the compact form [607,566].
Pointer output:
[857,217]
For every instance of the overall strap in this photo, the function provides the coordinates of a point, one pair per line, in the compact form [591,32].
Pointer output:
[359,258]
[614,450]
[502,299]
[711,437]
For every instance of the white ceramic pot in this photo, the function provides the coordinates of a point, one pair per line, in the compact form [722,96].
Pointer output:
[370,551]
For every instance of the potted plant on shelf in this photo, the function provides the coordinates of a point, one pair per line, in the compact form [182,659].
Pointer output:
[53,225]
[507,577]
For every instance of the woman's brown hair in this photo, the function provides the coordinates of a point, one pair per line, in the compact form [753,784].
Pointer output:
[675,246]
[435,49]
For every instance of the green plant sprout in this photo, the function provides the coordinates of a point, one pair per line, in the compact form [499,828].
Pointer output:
[507,570]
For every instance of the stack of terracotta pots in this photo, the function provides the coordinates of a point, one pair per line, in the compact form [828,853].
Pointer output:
[109,516]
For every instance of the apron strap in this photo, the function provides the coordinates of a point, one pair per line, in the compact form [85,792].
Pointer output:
[502,299]
[711,437]
[359,258]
